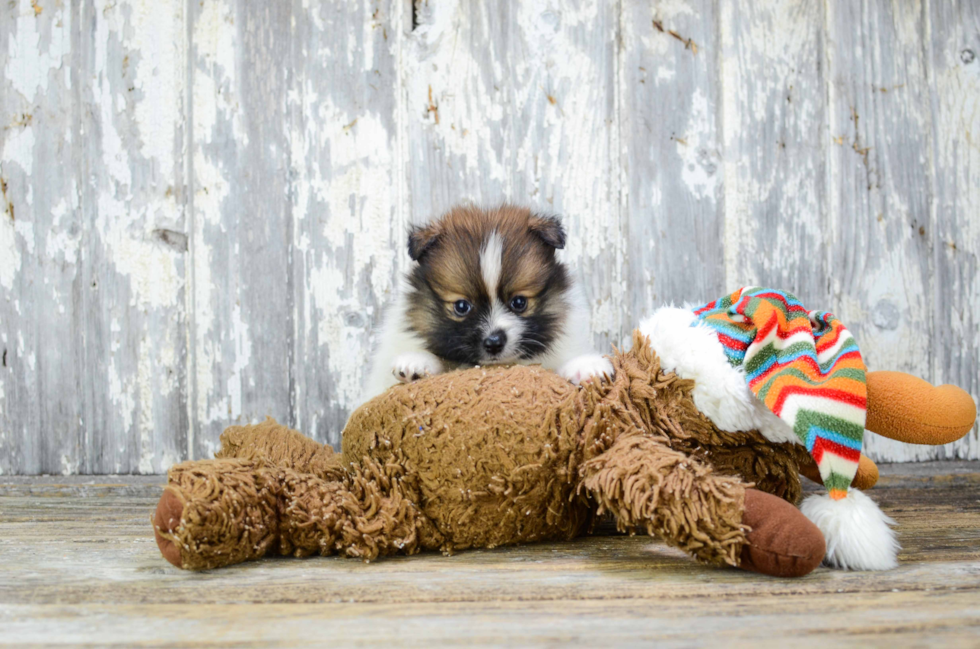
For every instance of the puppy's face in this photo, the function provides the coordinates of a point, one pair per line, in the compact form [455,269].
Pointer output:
[488,288]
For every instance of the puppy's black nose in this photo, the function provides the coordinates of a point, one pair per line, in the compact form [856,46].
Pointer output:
[494,343]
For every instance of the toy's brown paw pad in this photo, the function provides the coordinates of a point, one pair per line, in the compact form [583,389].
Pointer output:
[166,520]
[783,542]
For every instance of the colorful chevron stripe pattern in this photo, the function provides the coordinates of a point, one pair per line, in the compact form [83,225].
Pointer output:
[805,366]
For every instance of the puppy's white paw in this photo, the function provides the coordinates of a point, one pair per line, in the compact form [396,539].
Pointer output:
[415,365]
[585,368]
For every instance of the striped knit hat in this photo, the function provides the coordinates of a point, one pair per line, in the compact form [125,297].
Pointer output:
[805,366]
[760,361]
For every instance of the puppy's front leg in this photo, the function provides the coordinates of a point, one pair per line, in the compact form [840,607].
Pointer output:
[412,366]
[586,368]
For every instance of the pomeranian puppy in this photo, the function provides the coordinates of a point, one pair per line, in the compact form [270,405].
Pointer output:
[485,288]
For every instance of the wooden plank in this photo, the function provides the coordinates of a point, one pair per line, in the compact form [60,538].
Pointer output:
[346,192]
[242,301]
[39,242]
[954,52]
[517,102]
[130,331]
[81,565]
[774,124]
[911,618]
[95,165]
[669,111]
[880,139]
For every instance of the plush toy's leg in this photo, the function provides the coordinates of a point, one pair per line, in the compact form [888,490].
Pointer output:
[280,446]
[373,512]
[681,499]
[220,512]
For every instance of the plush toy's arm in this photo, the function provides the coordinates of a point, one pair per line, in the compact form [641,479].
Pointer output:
[714,517]
[649,486]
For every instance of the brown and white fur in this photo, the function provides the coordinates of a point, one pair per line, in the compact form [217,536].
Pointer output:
[485,288]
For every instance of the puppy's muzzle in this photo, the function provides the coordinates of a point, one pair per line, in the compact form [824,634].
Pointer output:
[495,342]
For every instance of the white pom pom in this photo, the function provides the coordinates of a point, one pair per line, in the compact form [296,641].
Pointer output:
[858,534]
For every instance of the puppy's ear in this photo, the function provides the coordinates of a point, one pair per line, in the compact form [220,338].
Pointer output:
[420,239]
[549,229]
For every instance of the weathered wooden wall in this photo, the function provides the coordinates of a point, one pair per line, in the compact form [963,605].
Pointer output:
[204,201]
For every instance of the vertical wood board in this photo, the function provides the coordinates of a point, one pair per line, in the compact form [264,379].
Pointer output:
[348,199]
[774,123]
[96,335]
[516,102]
[672,153]
[205,203]
[880,185]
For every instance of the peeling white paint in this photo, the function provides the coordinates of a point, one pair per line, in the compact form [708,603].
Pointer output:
[159,73]
[18,148]
[243,354]
[697,153]
[31,61]
[69,466]
[214,97]
[9,253]
[534,105]
[149,453]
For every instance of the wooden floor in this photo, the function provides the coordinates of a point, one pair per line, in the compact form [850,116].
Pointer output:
[78,565]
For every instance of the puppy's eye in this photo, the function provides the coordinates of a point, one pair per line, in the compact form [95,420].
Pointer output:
[518,303]
[461,307]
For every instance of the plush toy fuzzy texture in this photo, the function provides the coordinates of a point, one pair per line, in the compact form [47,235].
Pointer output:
[481,458]
[692,350]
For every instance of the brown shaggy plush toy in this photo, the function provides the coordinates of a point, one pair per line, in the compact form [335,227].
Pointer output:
[494,456]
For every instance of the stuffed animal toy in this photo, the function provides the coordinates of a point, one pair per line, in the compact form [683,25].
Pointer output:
[698,438]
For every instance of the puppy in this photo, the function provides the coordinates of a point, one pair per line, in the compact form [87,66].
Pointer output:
[485,289]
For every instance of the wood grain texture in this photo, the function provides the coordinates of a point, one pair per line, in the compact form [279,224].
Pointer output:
[347,194]
[774,123]
[881,188]
[954,58]
[204,203]
[40,240]
[516,101]
[242,315]
[91,241]
[81,566]
[672,152]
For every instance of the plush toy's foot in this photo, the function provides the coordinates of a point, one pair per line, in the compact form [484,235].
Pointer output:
[908,409]
[215,513]
[166,519]
[783,542]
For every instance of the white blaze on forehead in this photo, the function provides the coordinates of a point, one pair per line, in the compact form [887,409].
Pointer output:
[491,262]
[499,318]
